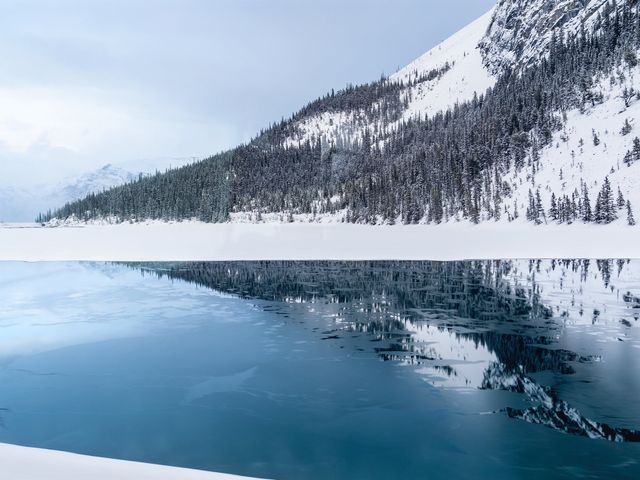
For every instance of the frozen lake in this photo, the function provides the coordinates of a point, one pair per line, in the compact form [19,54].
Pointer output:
[292,370]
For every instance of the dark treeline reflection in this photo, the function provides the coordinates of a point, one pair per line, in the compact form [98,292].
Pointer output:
[468,289]
[495,305]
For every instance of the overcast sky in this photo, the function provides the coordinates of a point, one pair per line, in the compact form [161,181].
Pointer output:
[143,82]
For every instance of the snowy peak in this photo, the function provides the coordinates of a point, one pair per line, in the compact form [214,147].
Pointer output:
[513,34]
[104,178]
[24,204]
[465,76]
[521,31]
[453,49]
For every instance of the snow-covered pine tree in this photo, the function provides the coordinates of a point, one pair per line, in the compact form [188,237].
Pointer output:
[531,207]
[627,95]
[630,219]
[540,215]
[630,58]
[636,149]
[586,213]
[553,211]
[628,158]
[575,201]
[605,206]
[567,209]
[620,200]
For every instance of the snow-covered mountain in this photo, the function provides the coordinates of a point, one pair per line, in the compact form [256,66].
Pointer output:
[593,141]
[464,74]
[514,35]
[96,181]
[530,110]
[24,204]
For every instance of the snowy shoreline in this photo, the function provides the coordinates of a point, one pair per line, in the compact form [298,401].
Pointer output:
[23,463]
[192,241]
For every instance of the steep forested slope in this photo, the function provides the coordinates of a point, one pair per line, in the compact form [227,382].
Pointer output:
[489,125]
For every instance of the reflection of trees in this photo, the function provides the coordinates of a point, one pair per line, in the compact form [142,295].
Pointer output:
[472,299]
[467,289]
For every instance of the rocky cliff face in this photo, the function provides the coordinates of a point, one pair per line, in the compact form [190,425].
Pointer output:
[521,30]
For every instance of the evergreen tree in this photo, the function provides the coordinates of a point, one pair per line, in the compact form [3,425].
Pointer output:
[532,211]
[587,214]
[636,149]
[605,207]
[620,200]
[553,211]
[630,58]
[627,96]
[539,209]
[630,219]
[436,212]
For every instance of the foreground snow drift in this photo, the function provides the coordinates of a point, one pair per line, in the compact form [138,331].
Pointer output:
[20,463]
[201,242]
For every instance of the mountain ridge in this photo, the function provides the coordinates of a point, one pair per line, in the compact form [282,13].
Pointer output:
[463,132]
[24,204]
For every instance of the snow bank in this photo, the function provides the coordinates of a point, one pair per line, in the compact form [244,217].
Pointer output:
[20,463]
[200,242]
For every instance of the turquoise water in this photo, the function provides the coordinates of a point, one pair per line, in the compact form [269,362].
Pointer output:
[328,370]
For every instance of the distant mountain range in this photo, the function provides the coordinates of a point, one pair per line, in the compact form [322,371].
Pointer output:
[24,204]
[532,113]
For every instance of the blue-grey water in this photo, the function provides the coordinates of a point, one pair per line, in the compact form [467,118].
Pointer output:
[284,370]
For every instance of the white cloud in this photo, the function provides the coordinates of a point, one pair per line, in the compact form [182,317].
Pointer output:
[73,121]
[53,132]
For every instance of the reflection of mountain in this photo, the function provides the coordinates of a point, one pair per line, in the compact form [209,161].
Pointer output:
[549,410]
[480,325]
